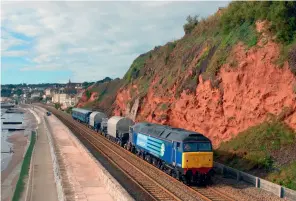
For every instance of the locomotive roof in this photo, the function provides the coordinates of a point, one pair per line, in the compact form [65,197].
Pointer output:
[83,111]
[169,133]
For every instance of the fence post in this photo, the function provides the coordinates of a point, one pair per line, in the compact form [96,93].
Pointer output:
[237,175]
[280,192]
[257,182]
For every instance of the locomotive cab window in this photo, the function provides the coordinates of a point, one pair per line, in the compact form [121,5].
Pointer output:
[197,146]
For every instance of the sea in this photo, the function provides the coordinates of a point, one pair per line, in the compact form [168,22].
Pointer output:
[8,130]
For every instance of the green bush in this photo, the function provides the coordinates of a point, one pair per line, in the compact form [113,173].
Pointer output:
[286,176]
[57,106]
[88,94]
[281,14]
[137,64]
[191,23]
[69,110]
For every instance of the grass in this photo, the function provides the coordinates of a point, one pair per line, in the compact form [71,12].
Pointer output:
[286,176]
[24,170]
[245,33]
[137,64]
[164,106]
[101,96]
[202,58]
[253,148]
[288,52]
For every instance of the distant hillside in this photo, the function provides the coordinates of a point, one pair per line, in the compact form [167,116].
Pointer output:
[100,95]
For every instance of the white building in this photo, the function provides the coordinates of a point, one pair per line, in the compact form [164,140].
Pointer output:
[65,100]
[47,92]
[35,95]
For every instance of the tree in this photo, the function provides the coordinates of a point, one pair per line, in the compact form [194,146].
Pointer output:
[57,105]
[19,92]
[191,23]
[88,94]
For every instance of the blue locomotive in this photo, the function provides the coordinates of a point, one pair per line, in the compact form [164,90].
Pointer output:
[185,155]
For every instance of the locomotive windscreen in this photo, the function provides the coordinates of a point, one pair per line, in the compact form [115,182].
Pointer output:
[197,146]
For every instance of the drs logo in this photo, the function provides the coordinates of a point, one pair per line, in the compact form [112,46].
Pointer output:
[162,149]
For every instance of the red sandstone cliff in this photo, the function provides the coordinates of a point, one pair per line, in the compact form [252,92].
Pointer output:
[247,94]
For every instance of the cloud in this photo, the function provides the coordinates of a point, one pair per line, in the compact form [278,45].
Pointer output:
[8,41]
[92,39]
[14,53]
[48,67]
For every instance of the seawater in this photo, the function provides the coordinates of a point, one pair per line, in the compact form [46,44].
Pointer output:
[5,145]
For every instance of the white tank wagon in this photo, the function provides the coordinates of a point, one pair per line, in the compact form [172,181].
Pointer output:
[95,120]
[104,125]
[118,129]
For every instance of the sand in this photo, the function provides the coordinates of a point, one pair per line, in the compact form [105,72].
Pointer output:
[19,141]
[10,174]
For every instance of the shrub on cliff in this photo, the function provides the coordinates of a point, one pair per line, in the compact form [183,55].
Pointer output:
[191,23]
[292,59]
[137,64]
[281,15]
[88,94]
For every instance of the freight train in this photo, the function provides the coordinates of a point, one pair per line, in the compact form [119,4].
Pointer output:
[183,154]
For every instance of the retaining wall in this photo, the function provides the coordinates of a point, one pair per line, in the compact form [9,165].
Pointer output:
[276,189]
[56,168]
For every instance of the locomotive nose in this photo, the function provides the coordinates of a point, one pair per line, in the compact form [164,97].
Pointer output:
[197,159]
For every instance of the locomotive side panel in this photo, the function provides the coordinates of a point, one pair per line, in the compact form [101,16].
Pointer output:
[159,148]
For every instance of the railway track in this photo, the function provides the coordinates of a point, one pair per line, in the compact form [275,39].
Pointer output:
[151,180]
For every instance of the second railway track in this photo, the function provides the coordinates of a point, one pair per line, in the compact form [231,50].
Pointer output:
[151,180]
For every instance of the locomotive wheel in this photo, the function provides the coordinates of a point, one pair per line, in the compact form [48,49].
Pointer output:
[178,175]
[148,158]
[174,174]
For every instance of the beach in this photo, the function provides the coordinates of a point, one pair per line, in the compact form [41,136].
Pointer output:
[18,142]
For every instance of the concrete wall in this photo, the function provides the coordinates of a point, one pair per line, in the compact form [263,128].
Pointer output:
[56,167]
[276,189]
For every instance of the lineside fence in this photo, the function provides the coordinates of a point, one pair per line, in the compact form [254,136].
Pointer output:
[276,189]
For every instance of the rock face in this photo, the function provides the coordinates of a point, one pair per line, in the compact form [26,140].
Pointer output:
[248,93]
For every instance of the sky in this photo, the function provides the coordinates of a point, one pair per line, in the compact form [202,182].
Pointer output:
[47,42]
